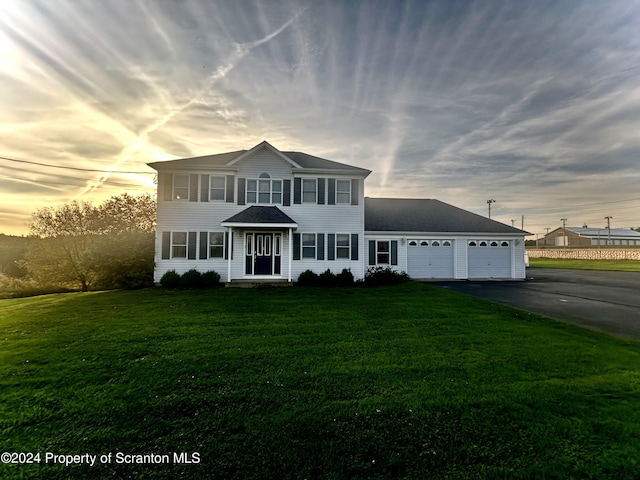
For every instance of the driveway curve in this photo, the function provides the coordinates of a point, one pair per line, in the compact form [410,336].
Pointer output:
[608,302]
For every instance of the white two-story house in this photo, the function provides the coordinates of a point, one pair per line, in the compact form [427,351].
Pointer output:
[269,214]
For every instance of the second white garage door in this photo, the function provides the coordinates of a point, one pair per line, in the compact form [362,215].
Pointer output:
[430,258]
[489,259]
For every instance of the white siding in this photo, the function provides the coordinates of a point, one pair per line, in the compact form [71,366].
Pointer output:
[184,216]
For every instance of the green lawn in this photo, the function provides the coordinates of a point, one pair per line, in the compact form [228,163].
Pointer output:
[400,382]
[611,265]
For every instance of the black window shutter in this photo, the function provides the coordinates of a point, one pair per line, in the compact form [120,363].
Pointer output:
[332,191]
[354,191]
[354,246]
[321,182]
[331,246]
[166,245]
[168,187]
[229,192]
[372,252]
[193,188]
[204,243]
[191,247]
[226,245]
[296,246]
[297,191]
[204,188]
[242,182]
[320,246]
[286,193]
[394,252]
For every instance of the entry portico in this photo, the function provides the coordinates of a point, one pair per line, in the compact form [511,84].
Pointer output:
[261,229]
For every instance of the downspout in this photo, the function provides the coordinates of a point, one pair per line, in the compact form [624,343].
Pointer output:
[290,252]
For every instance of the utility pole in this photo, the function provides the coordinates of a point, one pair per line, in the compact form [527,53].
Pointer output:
[522,224]
[608,219]
[513,222]
[489,202]
[564,232]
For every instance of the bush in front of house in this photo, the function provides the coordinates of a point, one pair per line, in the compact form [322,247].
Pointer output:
[210,279]
[192,279]
[380,276]
[308,279]
[170,279]
[326,279]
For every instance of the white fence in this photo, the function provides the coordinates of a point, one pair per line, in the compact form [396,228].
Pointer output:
[586,253]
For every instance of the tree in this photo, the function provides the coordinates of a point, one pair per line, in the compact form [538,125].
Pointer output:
[88,245]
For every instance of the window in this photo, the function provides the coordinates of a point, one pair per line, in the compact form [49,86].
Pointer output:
[309,190]
[435,243]
[179,245]
[181,187]
[343,245]
[382,252]
[504,244]
[343,191]
[446,243]
[308,245]
[264,190]
[424,243]
[473,244]
[494,244]
[217,188]
[483,244]
[413,243]
[216,245]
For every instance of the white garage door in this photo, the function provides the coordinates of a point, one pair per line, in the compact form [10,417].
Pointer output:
[430,258]
[489,259]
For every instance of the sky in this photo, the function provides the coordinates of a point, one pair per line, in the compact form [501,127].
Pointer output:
[533,104]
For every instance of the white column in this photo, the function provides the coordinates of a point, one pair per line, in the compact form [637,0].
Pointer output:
[229,254]
[290,251]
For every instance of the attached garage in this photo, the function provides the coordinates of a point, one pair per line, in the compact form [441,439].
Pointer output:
[440,241]
[489,259]
[429,258]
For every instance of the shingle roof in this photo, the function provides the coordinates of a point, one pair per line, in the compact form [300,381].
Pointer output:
[427,215]
[260,214]
[309,161]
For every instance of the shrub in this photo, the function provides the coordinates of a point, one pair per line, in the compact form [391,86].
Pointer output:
[210,279]
[379,276]
[308,279]
[170,280]
[191,279]
[327,279]
[344,278]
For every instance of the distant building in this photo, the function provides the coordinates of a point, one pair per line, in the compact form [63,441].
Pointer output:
[590,237]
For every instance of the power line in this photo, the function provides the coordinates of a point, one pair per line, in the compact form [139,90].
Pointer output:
[73,168]
[110,182]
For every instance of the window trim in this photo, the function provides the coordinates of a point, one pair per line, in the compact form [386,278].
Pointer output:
[175,245]
[315,190]
[346,247]
[343,192]
[224,188]
[216,245]
[378,252]
[302,246]
[174,197]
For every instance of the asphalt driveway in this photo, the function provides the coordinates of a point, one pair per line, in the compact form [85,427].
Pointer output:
[608,302]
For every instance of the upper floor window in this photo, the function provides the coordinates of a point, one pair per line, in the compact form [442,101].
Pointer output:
[264,190]
[180,187]
[217,188]
[309,190]
[343,191]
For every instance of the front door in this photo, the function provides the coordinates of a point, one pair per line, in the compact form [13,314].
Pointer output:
[262,253]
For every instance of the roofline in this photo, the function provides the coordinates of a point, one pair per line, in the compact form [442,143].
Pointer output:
[333,171]
[266,144]
[258,225]
[522,233]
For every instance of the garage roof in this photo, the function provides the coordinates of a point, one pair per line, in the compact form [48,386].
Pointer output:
[427,215]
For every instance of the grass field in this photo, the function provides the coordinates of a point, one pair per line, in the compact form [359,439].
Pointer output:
[611,265]
[401,382]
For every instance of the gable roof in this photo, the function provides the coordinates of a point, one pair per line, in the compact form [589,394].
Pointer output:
[260,216]
[298,160]
[427,216]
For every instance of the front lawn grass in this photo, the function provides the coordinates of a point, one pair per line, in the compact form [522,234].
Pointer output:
[611,265]
[409,381]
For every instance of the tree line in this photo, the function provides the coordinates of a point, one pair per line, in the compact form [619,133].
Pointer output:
[81,246]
